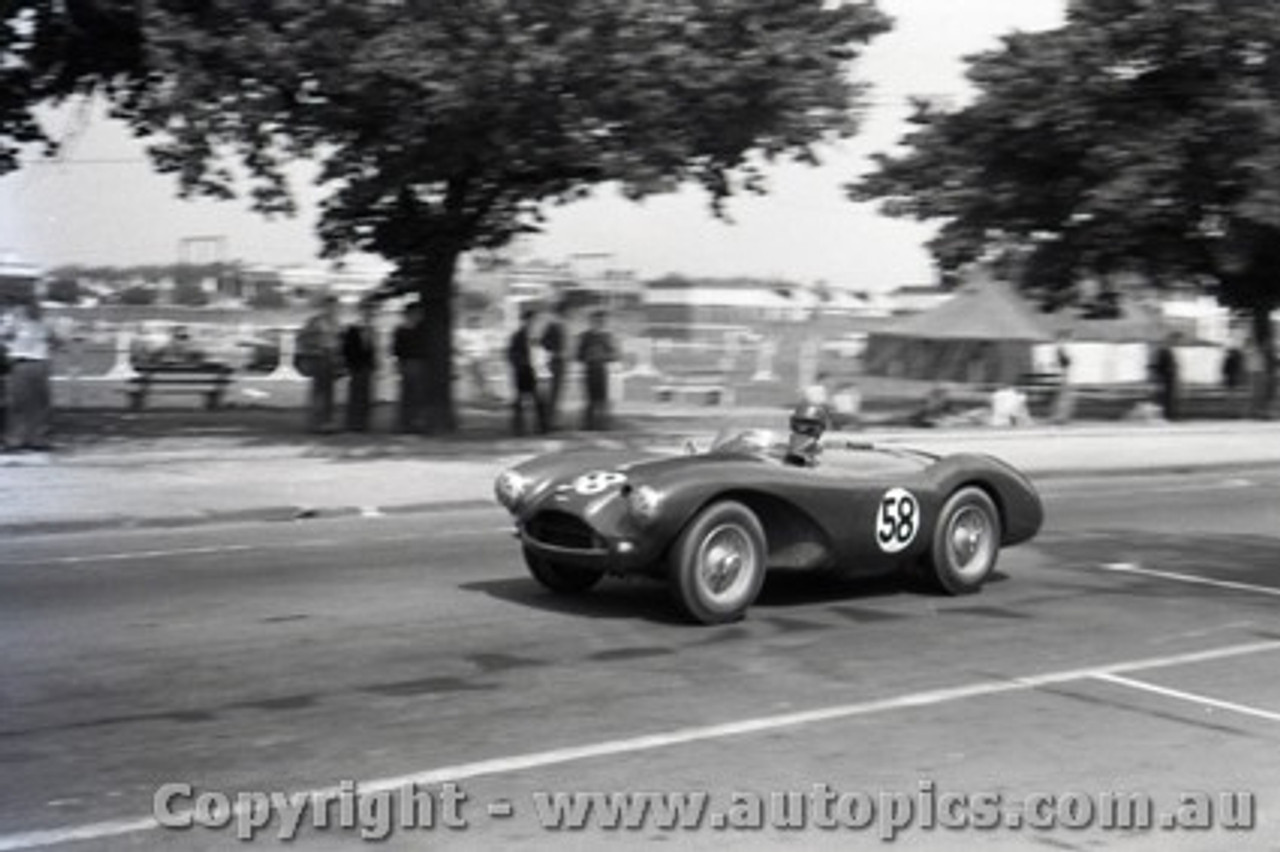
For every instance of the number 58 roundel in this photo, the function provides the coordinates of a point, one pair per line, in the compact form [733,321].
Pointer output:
[897,520]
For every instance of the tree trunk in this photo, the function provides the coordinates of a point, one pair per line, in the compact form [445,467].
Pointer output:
[434,274]
[1264,339]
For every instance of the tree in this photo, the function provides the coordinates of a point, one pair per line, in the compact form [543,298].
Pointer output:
[188,289]
[447,126]
[1143,136]
[137,294]
[63,289]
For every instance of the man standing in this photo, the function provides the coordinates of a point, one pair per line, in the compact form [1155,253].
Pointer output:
[359,353]
[1064,401]
[523,376]
[1165,369]
[410,351]
[30,344]
[596,351]
[318,358]
[553,343]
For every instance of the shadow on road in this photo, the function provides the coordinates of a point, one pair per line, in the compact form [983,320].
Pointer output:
[643,599]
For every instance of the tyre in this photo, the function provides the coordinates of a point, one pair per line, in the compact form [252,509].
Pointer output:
[563,579]
[717,564]
[966,542]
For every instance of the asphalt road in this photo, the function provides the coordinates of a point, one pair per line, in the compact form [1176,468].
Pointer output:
[1131,649]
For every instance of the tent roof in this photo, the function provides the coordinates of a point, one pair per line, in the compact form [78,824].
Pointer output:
[986,309]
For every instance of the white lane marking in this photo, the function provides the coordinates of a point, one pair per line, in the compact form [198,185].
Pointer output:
[1133,568]
[136,554]
[666,739]
[233,548]
[1193,697]
[1145,487]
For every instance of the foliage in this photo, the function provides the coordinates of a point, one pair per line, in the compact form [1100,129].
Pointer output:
[447,126]
[137,294]
[266,298]
[1142,137]
[62,289]
[189,293]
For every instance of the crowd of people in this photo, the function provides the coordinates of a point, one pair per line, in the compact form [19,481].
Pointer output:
[538,355]
[541,391]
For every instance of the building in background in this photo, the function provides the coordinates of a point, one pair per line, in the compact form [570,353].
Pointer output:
[18,281]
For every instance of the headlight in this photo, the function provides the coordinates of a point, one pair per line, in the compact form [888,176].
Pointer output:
[644,503]
[510,488]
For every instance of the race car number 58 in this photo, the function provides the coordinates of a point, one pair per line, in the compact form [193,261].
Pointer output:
[897,520]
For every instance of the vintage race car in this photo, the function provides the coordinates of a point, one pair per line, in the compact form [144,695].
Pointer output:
[711,522]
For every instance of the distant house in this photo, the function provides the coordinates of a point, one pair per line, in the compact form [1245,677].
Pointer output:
[917,298]
[678,307]
[17,282]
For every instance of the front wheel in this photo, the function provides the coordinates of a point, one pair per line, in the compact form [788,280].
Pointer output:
[717,564]
[564,579]
[966,542]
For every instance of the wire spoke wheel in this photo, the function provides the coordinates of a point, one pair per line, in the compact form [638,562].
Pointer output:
[966,542]
[718,563]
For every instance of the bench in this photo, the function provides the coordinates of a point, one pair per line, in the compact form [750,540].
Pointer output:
[211,381]
[704,394]
[702,387]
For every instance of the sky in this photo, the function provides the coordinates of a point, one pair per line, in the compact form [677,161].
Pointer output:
[100,203]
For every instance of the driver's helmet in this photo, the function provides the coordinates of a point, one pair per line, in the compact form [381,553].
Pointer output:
[808,422]
[809,419]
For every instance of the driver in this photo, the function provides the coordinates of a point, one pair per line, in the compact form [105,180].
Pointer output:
[808,423]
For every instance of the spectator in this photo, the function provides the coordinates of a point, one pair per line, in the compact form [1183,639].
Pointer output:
[554,344]
[29,343]
[523,375]
[409,349]
[359,354]
[1232,368]
[1234,380]
[846,406]
[596,351]
[179,350]
[319,359]
[1164,369]
[1064,401]
[1009,407]
[1255,370]
[935,407]
[473,350]
[816,393]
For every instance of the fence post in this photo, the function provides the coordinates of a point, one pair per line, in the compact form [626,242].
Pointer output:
[122,367]
[285,371]
[764,361]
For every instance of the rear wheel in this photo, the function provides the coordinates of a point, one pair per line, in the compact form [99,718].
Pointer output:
[717,565]
[564,579]
[966,542]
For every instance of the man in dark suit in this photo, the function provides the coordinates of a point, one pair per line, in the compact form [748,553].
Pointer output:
[554,342]
[319,345]
[409,348]
[596,351]
[523,376]
[359,353]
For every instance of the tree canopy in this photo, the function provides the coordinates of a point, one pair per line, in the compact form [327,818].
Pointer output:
[442,126]
[1143,136]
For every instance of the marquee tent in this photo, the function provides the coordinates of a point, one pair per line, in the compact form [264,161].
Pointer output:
[984,334]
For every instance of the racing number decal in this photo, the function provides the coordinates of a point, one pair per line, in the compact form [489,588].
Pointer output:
[596,482]
[897,520]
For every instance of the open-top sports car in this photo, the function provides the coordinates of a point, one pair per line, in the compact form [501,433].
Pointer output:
[711,522]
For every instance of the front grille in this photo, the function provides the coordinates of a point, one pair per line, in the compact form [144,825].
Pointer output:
[560,529]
